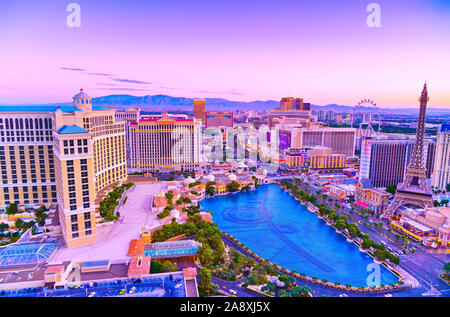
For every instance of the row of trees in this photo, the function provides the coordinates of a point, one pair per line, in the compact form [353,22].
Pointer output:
[108,205]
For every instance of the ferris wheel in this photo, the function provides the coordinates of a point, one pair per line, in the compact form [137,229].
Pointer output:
[367,115]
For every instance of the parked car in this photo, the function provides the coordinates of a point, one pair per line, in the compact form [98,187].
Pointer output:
[132,290]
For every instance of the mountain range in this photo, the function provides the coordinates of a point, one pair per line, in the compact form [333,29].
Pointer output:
[169,103]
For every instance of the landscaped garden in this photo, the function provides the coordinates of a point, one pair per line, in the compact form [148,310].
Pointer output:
[108,206]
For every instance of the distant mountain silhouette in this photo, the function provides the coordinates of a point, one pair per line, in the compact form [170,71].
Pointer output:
[165,102]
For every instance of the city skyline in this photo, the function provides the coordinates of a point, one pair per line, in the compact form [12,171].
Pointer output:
[236,51]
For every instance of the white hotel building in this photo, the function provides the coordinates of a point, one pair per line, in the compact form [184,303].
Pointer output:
[165,143]
[441,173]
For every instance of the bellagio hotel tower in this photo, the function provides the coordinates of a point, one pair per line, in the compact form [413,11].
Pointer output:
[63,156]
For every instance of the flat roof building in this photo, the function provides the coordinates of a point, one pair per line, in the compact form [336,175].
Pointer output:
[165,143]
[340,140]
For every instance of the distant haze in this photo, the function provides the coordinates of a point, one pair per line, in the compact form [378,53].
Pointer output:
[168,103]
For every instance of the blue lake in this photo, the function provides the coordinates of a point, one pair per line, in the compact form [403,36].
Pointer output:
[277,227]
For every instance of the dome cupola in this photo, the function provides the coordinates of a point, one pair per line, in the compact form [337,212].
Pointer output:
[82,101]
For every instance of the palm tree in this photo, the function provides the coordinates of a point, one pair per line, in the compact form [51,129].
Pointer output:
[446,269]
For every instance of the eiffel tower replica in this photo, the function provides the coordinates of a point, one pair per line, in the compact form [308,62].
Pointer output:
[414,190]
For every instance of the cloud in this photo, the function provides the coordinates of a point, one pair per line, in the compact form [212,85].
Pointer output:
[74,69]
[131,81]
[124,89]
[99,74]
[106,84]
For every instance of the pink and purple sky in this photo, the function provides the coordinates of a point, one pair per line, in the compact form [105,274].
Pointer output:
[242,50]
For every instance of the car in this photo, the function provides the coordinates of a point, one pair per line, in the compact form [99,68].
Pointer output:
[122,291]
[178,285]
[388,295]
[91,294]
[91,284]
[132,290]
[232,291]
[343,295]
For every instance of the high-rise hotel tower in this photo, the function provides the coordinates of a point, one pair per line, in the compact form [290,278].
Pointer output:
[61,155]
[165,143]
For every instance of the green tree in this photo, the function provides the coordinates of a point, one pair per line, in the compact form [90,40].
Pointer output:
[12,209]
[205,254]
[233,187]
[155,267]
[169,197]
[446,268]
[168,266]
[391,189]
[3,227]
[210,190]
[19,224]
[204,281]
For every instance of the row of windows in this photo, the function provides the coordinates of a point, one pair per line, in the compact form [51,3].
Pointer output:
[17,123]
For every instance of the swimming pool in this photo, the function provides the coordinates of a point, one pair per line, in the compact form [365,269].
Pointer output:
[277,227]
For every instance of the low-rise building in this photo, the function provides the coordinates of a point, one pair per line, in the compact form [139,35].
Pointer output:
[323,159]
[376,198]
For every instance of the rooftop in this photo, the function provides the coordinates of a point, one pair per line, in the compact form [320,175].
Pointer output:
[81,94]
[20,254]
[38,108]
[172,249]
[69,129]
[136,247]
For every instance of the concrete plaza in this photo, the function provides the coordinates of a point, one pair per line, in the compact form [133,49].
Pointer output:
[113,239]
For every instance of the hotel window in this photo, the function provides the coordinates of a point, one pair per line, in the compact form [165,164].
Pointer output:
[88,232]
[73,218]
[87,225]
[75,235]
[87,216]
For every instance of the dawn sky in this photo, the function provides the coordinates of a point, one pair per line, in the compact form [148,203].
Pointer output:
[244,50]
